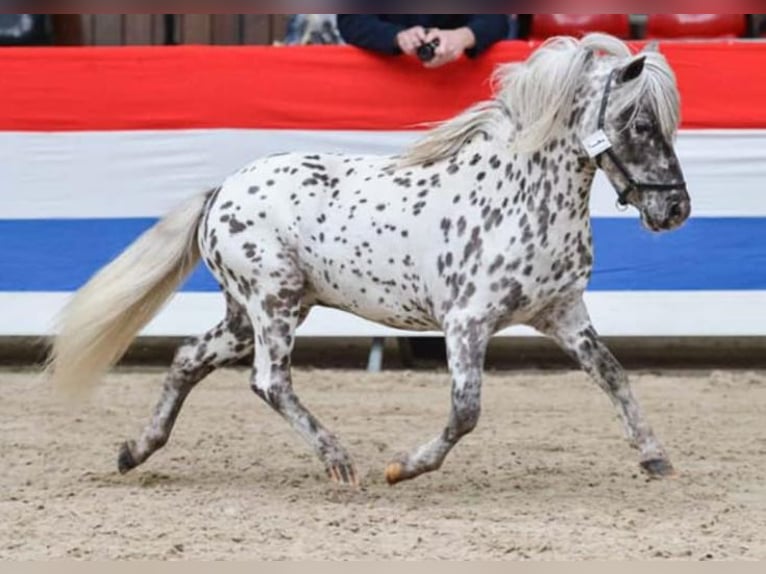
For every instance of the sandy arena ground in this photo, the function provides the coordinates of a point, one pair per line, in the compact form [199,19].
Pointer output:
[545,476]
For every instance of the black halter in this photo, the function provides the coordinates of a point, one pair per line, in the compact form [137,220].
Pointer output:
[632,184]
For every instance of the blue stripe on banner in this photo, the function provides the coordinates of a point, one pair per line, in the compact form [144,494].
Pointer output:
[708,254]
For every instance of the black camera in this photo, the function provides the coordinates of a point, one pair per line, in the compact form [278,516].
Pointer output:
[427,51]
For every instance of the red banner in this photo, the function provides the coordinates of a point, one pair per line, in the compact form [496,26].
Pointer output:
[722,85]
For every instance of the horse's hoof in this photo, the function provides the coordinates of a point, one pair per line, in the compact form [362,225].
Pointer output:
[125,460]
[344,474]
[394,473]
[659,468]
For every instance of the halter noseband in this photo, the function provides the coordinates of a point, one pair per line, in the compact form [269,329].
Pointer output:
[600,145]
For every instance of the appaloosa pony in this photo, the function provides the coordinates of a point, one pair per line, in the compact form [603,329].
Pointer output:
[482,224]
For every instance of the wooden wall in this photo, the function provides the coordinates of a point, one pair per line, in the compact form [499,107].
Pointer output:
[154,29]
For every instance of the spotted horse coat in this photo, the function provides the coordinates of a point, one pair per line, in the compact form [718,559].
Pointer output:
[483,224]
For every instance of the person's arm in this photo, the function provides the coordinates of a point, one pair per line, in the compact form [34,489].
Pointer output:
[369,32]
[487,29]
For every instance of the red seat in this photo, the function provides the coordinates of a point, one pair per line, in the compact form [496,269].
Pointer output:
[696,26]
[547,25]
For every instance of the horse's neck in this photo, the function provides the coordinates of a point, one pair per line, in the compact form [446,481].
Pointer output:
[560,161]
[553,176]
[553,199]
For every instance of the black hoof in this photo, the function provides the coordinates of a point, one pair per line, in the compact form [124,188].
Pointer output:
[658,468]
[125,460]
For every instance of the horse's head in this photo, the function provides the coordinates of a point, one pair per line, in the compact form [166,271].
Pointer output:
[629,130]
[625,110]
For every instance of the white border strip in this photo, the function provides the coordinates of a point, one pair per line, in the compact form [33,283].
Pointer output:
[147,173]
[635,314]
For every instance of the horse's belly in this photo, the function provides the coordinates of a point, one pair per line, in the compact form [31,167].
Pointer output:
[396,308]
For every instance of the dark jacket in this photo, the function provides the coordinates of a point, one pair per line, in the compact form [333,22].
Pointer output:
[378,32]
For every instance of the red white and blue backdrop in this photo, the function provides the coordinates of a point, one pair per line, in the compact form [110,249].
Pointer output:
[97,143]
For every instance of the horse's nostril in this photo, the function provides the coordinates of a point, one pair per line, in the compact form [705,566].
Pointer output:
[675,211]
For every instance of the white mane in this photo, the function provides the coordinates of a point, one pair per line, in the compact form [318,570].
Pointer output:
[538,95]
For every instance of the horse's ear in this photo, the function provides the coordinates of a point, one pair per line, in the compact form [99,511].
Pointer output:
[632,70]
[653,46]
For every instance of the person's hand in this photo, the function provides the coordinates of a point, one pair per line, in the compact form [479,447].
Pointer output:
[452,44]
[410,40]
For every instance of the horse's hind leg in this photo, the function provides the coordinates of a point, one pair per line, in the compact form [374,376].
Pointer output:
[467,340]
[232,339]
[276,317]
[570,326]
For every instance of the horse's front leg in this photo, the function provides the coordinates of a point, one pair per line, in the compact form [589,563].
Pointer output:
[571,327]
[467,340]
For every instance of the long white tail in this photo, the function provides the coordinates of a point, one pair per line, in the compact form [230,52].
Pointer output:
[98,324]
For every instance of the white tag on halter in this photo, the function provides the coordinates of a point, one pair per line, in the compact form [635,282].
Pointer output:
[596,143]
